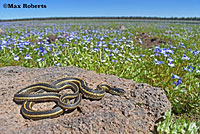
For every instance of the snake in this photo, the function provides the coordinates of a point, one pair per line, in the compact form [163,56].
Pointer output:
[42,92]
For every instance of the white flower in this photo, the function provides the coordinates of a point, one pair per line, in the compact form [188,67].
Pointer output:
[58,64]
[185,57]
[197,71]
[171,64]
[120,55]
[39,59]
[170,59]
[140,41]
[16,57]
[123,38]
[27,57]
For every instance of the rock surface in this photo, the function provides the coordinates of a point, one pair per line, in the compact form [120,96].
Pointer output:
[135,112]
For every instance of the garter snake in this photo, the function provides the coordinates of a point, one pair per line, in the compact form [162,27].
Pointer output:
[41,92]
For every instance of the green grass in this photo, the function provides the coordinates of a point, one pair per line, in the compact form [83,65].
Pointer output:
[179,126]
[121,58]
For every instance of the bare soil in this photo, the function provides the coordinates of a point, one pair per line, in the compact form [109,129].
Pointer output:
[148,41]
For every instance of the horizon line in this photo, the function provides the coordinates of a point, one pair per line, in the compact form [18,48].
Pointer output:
[111,17]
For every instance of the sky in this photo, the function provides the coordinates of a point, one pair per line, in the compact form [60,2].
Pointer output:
[90,8]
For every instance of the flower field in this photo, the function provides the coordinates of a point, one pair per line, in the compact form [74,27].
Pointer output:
[172,61]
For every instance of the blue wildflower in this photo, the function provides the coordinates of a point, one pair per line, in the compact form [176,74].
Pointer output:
[140,41]
[96,49]
[185,57]
[158,62]
[163,50]
[41,59]
[16,57]
[197,71]
[58,64]
[157,49]
[178,82]
[106,49]
[170,59]
[123,38]
[103,59]
[116,51]
[170,51]
[36,49]
[57,53]
[157,54]
[166,55]
[171,64]
[27,57]
[182,45]
[189,68]
[41,49]
[171,46]
[177,34]
[128,59]
[115,61]
[195,52]
[142,55]
[175,76]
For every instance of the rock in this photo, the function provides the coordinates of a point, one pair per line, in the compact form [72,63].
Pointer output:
[135,112]
[52,38]
[123,28]
[1,31]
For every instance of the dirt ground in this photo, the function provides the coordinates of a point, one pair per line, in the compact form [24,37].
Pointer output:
[148,41]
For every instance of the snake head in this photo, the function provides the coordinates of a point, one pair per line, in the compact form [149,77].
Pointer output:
[111,90]
[118,91]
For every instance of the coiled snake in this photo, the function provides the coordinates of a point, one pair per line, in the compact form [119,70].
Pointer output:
[41,92]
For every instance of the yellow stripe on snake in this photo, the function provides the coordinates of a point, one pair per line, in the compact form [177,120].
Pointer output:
[42,92]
